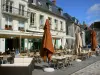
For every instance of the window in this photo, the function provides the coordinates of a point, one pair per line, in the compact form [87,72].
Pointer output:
[8,23]
[32,18]
[21,25]
[21,9]
[9,5]
[56,24]
[50,20]
[33,2]
[39,3]
[60,11]
[41,21]
[50,7]
[61,23]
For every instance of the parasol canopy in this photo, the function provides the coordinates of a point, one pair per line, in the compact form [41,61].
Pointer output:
[93,40]
[47,48]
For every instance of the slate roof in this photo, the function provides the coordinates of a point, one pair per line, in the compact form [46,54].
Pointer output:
[43,6]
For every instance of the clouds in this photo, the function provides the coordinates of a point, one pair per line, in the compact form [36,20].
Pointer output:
[95,9]
[93,13]
[93,21]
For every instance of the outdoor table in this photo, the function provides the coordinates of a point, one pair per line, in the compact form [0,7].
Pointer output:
[60,60]
[69,51]
[24,56]
[58,57]
[84,54]
[69,58]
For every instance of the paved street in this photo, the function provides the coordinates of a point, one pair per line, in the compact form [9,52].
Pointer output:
[93,69]
[89,66]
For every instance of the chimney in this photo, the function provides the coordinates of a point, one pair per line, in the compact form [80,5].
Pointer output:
[54,2]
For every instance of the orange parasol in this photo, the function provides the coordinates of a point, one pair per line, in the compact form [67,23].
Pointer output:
[93,40]
[47,48]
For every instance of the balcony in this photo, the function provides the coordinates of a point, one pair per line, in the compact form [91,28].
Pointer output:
[14,11]
[8,27]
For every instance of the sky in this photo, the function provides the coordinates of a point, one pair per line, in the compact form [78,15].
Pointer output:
[83,10]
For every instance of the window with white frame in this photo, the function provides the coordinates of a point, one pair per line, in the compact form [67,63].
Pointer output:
[61,23]
[21,9]
[50,20]
[41,20]
[8,23]
[21,25]
[32,19]
[8,6]
[56,23]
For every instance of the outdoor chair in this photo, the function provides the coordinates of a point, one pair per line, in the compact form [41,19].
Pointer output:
[66,62]
[54,63]
[5,60]
[83,56]
[60,64]
[37,57]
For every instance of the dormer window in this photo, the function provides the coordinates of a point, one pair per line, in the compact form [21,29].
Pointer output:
[60,11]
[49,6]
[33,2]
[39,3]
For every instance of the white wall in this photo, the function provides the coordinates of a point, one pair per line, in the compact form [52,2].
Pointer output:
[0,14]
[2,44]
[53,32]
[46,15]
[71,32]
[83,38]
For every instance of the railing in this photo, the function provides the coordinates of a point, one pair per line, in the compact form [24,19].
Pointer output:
[8,27]
[14,11]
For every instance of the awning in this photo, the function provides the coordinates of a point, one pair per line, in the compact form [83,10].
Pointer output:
[12,34]
[9,34]
[68,37]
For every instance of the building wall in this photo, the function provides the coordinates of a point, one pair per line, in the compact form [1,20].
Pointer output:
[97,35]
[71,32]
[15,19]
[2,45]
[83,38]
[46,15]
[0,14]
[53,31]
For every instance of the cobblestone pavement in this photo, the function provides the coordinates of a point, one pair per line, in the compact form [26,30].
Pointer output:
[93,69]
[90,66]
